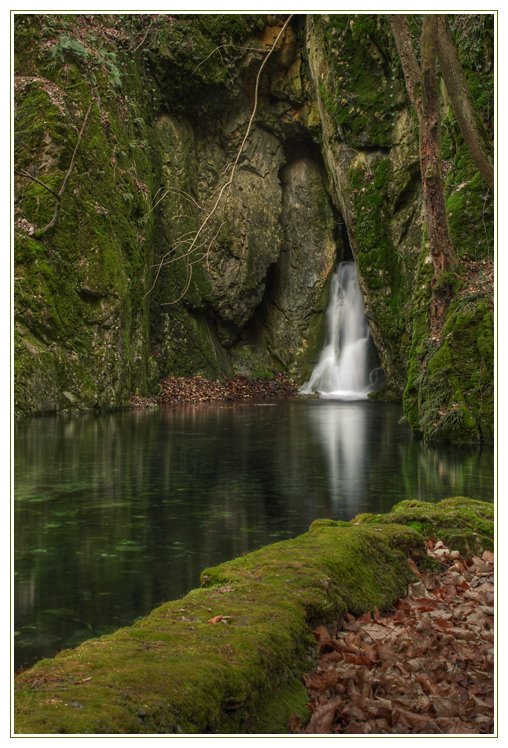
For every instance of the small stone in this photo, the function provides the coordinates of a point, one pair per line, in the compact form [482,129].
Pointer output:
[417,589]
[441,552]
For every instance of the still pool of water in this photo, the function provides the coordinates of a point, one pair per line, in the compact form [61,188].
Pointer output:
[114,514]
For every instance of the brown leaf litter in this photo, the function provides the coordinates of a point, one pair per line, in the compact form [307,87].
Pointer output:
[197,389]
[425,669]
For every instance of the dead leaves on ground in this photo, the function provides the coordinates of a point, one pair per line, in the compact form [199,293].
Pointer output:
[197,389]
[425,669]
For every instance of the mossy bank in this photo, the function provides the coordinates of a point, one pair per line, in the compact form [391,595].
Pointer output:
[229,657]
[140,277]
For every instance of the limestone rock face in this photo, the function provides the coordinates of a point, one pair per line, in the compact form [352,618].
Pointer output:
[249,241]
[249,231]
[297,294]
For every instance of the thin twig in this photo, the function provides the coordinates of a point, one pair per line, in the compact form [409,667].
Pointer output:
[23,173]
[51,224]
[194,244]
[75,152]
[222,46]
[145,36]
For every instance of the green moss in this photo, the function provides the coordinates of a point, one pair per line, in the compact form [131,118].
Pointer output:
[247,361]
[470,208]
[82,289]
[195,55]
[462,523]
[474,36]
[201,353]
[377,259]
[449,394]
[363,92]
[174,672]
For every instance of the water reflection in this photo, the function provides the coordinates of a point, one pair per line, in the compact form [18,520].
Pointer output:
[114,514]
[341,433]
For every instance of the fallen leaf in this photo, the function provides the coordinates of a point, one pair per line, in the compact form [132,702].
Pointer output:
[427,668]
[218,619]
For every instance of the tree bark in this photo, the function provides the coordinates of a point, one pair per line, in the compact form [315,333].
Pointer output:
[469,121]
[443,255]
[410,67]
[441,248]
[421,84]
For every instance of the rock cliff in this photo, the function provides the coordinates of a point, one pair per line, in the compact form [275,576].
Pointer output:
[157,265]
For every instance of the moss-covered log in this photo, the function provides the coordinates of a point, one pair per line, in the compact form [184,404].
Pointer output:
[176,671]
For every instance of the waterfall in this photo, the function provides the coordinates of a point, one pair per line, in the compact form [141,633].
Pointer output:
[342,371]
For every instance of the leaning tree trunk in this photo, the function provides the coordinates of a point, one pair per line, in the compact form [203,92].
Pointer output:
[441,248]
[421,84]
[469,121]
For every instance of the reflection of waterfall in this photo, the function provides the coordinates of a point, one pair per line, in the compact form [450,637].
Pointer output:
[343,433]
[342,372]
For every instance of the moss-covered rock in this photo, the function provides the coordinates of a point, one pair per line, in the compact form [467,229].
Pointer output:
[229,657]
[175,671]
[463,524]
[81,317]
[142,288]
[371,153]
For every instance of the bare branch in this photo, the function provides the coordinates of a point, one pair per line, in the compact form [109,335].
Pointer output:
[23,173]
[58,196]
[194,246]
[223,46]
[217,49]
[143,40]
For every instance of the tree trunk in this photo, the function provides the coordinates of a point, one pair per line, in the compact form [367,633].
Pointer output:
[421,84]
[430,154]
[469,121]
[410,67]
[441,248]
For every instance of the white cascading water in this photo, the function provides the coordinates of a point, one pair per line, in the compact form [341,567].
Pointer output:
[341,372]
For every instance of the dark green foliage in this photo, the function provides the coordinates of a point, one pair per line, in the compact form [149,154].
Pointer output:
[67,46]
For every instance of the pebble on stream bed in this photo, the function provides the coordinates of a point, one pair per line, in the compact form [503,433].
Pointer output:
[428,668]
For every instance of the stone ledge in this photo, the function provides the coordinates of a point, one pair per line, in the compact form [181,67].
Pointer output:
[228,657]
